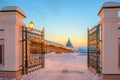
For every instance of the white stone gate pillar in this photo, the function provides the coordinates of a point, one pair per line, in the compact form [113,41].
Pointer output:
[110,40]
[11,22]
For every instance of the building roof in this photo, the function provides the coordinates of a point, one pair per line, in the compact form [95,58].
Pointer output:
[53,43]
[69,44]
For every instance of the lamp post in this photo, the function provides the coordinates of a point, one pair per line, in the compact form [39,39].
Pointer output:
[47,48]
[43,50]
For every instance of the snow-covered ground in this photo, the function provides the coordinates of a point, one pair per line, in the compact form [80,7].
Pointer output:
[63,67]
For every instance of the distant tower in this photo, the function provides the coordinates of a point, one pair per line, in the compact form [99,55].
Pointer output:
[69,44]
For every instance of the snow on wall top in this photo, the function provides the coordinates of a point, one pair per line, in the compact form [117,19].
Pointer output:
[10,8]
[53,43]
[111,4]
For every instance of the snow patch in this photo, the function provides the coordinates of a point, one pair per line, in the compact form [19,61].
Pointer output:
[64,66]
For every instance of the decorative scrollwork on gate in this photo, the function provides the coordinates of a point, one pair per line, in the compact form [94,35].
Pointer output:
[34,50]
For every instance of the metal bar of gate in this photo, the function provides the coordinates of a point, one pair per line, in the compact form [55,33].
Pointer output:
[88,48]
[23,50]
[26,56]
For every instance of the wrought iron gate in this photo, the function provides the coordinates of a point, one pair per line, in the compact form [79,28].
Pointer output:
[94,49]
[33,50]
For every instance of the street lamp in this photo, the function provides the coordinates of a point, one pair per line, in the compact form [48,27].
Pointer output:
[31,25]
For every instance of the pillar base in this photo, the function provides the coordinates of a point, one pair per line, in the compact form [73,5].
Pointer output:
[110,76]
[11,74]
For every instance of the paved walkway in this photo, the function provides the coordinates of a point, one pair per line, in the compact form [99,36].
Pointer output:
[63,67]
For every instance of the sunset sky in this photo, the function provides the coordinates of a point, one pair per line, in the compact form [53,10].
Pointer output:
[62,19]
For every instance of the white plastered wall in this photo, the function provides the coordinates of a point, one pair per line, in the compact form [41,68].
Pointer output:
[109,23]
[12,23]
